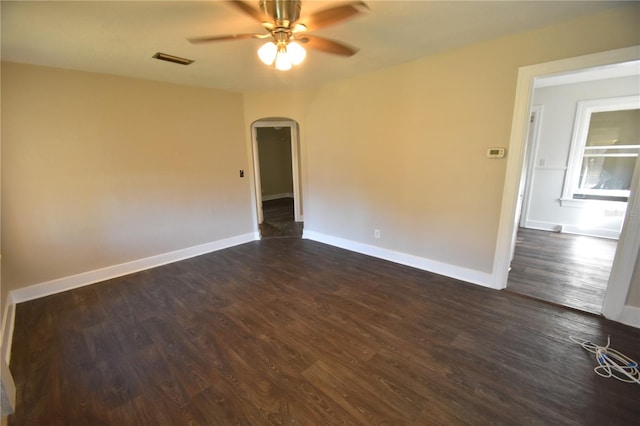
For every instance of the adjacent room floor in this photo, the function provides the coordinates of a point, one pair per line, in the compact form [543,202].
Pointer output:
[291,331]
[570,270]
[279,220]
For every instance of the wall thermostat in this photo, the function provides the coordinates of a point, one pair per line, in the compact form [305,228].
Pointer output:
[495,153]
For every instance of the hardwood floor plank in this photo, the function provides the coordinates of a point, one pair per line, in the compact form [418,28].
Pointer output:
[360,400]
[141,410]
[290,331]
[570,270]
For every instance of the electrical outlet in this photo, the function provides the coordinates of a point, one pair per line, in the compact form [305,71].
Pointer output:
[376,233]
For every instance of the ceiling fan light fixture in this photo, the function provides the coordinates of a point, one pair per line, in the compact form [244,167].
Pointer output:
[283,60]
[296,52]
[267,53]
[283,54]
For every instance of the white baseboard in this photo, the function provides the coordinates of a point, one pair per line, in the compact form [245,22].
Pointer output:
[573,229]
[277,196]
[469,275]
[630,316]
[592,232]
[91,277]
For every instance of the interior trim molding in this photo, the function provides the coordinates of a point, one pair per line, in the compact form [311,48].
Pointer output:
[8,321]
[463,274]
[573,229]
[295,164]
[630,316]
[91,277]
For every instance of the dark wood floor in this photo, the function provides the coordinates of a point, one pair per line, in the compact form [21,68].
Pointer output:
[570,270]
[291,331]
[279,222]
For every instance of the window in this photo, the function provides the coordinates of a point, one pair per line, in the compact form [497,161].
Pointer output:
[604,150]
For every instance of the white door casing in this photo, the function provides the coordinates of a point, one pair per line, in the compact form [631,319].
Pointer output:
[629,244]
[295,164]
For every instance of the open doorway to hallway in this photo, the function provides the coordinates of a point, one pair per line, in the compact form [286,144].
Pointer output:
[276,162]
[581,153]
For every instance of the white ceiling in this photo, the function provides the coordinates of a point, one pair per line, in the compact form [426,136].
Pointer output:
[120,37]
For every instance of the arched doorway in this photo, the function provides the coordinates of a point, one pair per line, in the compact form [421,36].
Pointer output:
[276,162]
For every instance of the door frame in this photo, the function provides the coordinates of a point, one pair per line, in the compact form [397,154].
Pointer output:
[629,243]
[526,174]
[295,164]
[530,158]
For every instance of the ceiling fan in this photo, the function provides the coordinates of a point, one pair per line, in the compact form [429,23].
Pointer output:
[287,32]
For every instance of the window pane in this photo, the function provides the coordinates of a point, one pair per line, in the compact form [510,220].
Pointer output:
[614,128]
[610,154]
[599,172]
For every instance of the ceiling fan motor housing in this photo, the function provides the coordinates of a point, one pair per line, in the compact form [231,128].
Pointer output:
[284,12]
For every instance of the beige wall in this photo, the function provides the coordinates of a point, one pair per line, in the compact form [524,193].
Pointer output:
[98,170]
[403,149]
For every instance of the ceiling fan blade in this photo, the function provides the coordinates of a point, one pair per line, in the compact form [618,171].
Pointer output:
[326,45]
[206,39]
[249,10]
[331,16]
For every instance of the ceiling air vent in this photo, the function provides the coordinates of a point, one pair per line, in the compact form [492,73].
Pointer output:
[174,59]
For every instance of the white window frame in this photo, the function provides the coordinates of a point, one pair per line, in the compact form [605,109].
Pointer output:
[579,140]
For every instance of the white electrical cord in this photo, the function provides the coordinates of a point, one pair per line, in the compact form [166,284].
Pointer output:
[611,363]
